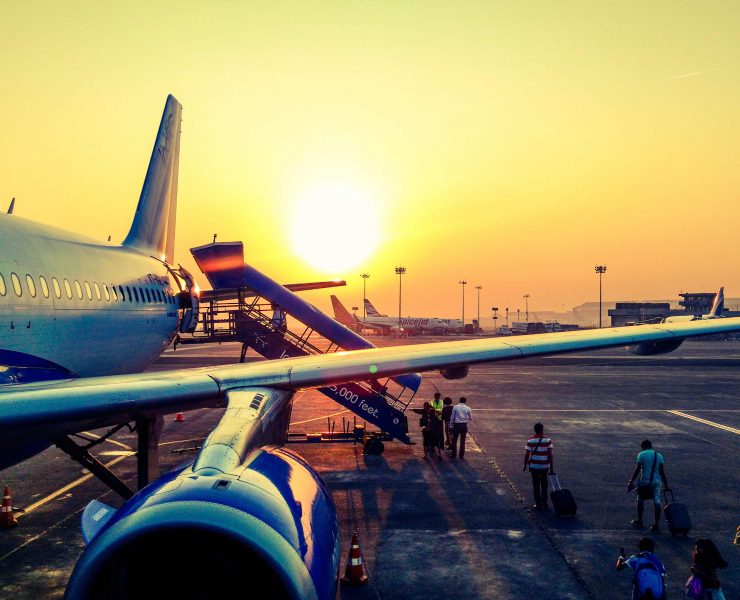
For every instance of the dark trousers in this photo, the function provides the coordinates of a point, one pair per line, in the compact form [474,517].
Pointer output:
[539,484]
[459,430]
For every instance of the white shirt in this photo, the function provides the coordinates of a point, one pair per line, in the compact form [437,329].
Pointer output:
[461,413]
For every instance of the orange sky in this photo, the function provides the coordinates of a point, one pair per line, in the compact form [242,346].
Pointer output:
[513,145]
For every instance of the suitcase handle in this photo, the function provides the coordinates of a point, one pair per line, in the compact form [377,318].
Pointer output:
[673,498]
[553,477]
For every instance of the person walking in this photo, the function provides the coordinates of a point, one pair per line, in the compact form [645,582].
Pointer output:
[446,414]
[652,481]
[438,407]
[705,560]
[538,457]
[459,418]
[648,572]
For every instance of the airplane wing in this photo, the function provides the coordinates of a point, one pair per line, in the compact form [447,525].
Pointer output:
[42,411]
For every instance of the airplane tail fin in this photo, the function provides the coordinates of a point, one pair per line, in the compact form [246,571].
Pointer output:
[370,310]
[341,314]
[153,228]
[718,305]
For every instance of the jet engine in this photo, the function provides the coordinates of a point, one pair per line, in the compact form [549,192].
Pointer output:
[265,529]
[653,348]
[459,372]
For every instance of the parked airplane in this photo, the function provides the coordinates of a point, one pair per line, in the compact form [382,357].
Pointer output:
[390,325]
[79,319]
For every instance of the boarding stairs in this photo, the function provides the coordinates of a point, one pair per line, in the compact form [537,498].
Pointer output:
[239,315]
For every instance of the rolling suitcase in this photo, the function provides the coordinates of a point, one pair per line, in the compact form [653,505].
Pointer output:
[562,500]
[677,516]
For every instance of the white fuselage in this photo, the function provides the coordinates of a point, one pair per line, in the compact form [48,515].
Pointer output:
[89,308]
[421,324]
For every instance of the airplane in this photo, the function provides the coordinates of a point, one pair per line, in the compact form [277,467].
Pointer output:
[81,319]
[390,325]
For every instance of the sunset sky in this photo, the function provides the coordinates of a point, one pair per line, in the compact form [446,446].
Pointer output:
[511,144]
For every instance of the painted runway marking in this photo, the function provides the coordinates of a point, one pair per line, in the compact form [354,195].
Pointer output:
[109,440]
[710,423]
[620,410]
[66,488]
[319,418]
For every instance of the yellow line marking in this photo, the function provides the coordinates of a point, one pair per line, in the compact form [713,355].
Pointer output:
[66,488]
[109,440]
[711,423]
[320,418]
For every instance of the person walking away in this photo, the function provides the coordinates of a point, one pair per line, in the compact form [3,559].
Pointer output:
[652,480]
[446,414]
[538,457]
[459,418]
[648,572]
[438,407]
[423,421]
[705,560]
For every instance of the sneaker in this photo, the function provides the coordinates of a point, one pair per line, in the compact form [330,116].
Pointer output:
[637,523]
[654,529]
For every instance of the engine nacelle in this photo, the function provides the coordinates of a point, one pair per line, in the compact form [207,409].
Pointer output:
[268,525]
[459,372]
[653,348]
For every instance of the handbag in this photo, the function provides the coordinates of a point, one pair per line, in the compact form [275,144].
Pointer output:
[694,588]
[645,492]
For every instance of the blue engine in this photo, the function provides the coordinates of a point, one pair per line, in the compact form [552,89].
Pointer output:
[654,348]
[267,528]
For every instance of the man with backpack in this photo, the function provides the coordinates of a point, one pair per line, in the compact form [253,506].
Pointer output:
[651,483]
[648,572]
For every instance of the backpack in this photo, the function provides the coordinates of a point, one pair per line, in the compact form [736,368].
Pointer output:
[648,580]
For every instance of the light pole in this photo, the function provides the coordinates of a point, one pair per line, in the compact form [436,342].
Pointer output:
[495,318]
[600,269]
[462,282]
[478,288]
[365,277]
[507,317]
[400,271]
[526,306]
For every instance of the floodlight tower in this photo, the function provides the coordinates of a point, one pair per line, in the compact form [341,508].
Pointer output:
[600,269]
[365,277]
[462,282]
[526,306]
[400,271]
[478,289]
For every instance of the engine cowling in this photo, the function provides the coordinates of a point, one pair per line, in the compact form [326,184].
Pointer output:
[654,348]
[459,372]
[271,524]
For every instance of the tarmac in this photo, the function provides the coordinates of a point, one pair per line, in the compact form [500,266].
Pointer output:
[465,528]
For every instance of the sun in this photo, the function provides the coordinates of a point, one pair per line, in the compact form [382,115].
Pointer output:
[335,227]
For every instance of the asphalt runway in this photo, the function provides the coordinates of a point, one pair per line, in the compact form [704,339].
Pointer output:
[464,529]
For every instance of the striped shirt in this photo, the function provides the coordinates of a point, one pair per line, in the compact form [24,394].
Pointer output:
[539,455]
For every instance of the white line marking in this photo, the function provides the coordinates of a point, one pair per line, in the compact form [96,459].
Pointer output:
[710,423]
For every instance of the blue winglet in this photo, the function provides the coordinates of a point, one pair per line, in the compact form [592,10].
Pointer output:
[94,518]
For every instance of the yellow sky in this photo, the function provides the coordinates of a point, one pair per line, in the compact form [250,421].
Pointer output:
[514,145]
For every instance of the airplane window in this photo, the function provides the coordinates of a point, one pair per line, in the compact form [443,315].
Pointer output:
[123,294]
[16,284]
[88,291]
[114,292]
[78,289]
[159,295]
[44,286]
[57,289]
[31,286]
[106,292]
[136,294]
[2,285]
[68,289]
[97,290]
[130,297]
[148,295]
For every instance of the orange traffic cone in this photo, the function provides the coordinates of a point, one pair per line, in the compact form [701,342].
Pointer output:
[355,572]
[179,418]
[7,518]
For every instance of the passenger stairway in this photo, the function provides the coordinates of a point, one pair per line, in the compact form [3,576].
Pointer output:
[249,307]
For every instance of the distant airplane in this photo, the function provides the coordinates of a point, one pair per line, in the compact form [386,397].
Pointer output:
[80,319]
[390,325]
